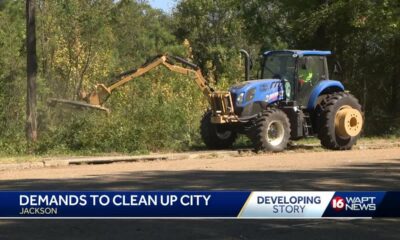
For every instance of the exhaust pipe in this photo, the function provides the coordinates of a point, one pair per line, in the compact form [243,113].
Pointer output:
[247,64]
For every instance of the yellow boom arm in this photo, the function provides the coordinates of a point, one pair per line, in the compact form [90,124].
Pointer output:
[102,92]
[220,101]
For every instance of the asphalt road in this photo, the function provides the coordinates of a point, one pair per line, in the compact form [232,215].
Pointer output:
[375,169]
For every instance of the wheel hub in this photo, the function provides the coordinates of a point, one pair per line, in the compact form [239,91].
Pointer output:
[348,122]
[275,133]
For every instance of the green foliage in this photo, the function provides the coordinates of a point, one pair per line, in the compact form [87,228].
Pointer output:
[12,73]
[81,43]
[215,31]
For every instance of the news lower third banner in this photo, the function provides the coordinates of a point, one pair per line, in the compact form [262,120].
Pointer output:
[198,204]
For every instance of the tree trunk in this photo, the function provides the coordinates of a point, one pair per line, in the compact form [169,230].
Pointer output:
[31,121]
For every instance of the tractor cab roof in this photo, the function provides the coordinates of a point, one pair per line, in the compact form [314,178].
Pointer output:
[301,52]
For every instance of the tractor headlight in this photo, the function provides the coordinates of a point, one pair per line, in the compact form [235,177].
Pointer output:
[239,99]
[250,94]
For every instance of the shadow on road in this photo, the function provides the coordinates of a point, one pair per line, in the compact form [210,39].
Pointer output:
[383,176]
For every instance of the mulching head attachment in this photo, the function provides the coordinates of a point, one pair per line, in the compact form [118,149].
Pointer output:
[75,104]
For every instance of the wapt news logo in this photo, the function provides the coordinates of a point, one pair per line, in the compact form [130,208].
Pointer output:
[354,203]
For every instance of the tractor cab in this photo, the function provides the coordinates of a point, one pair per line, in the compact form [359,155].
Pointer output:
[291,77]
[300,72]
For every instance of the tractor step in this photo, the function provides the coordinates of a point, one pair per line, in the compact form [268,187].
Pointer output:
[307,125]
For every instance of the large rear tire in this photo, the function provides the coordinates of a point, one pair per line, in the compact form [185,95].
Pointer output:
[216,136]
[272,131]
[333,135]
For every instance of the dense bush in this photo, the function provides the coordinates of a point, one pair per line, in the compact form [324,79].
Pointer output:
[148,114]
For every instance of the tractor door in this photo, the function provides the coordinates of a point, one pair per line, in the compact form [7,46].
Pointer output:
[281,65]
[310,70]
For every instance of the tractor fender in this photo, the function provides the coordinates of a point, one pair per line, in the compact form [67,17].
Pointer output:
[324,86]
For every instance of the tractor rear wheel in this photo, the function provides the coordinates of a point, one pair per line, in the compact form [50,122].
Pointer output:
[272,131]
[216,136]
[341,121]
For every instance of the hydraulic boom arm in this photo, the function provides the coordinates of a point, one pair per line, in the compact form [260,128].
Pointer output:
[220,101]
[102,92]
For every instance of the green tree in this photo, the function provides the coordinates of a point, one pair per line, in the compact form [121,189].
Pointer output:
[363,36]
[216,33]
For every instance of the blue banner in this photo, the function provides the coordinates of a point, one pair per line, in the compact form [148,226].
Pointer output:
[198,204]
[122,204]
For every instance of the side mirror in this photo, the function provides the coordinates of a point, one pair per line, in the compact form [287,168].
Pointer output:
[337,68]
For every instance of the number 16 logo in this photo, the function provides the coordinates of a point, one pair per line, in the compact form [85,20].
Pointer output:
[338,203]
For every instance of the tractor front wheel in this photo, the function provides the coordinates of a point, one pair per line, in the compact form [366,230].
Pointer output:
[271,132]
[216,136]
[341,121]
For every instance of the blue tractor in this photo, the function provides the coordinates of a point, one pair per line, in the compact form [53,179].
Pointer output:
[294,98]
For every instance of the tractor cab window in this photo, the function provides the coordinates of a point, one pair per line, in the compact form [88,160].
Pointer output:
[311,70]
[281,66]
